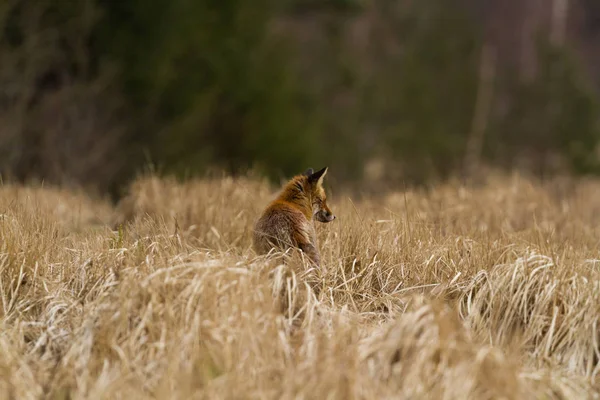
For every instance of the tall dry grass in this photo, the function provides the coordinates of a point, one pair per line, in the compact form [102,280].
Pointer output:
[447,293]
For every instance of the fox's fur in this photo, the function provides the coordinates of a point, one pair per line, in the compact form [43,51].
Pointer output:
[288,221]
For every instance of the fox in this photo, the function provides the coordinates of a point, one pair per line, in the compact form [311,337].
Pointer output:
[287,222]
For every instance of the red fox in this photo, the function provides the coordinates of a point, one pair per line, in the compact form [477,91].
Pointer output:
[287,221]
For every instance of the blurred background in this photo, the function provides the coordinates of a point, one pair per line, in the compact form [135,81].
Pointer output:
[395,91]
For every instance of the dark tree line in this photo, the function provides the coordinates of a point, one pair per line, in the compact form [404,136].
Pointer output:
[91,91]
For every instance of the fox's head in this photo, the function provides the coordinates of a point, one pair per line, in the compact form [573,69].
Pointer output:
[315,192]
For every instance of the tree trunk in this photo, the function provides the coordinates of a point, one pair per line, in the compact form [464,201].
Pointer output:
[485,95]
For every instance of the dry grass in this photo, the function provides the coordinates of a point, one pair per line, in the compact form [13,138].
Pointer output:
[451,293]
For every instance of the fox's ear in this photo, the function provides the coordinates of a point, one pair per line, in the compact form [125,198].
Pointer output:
[308,172]
[317,177]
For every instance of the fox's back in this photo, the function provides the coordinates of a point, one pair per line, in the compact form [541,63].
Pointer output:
[281,225]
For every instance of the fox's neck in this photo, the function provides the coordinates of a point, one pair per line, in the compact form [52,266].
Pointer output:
[294,195]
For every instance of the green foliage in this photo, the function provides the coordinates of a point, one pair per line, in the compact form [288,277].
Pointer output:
[553,116]
[425,95]
[215,88]
[101,87]
[336,6]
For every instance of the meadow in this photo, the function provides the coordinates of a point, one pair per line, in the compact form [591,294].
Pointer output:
[447,292]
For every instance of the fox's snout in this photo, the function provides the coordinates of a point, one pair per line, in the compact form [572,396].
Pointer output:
[324,216]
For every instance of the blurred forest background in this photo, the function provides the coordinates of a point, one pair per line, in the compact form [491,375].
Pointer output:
[408,91]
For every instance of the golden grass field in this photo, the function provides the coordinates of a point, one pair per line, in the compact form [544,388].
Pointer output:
[490,292]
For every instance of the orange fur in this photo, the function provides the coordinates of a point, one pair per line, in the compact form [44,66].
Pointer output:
[288,221]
